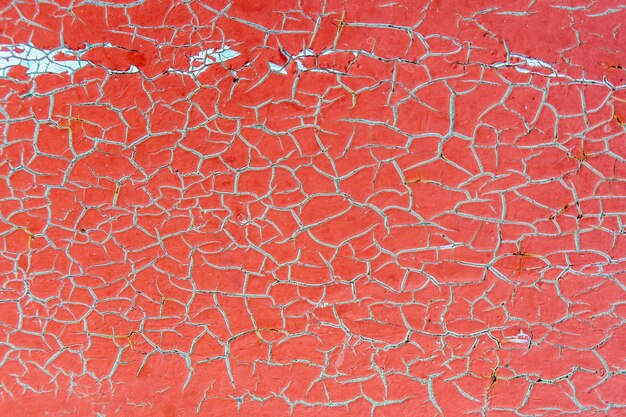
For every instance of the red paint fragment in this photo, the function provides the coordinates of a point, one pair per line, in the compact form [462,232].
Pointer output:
[312,208]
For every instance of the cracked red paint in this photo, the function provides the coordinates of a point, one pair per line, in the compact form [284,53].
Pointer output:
[312,207]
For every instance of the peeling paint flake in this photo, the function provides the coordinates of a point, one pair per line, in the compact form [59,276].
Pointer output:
[39,61]
[201,61]
[277,68]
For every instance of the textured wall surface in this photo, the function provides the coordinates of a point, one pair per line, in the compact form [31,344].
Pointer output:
[312,208]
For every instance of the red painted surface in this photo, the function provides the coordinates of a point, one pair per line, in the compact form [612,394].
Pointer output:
[375,208]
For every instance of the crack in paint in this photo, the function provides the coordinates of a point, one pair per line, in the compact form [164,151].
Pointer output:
[305,207]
